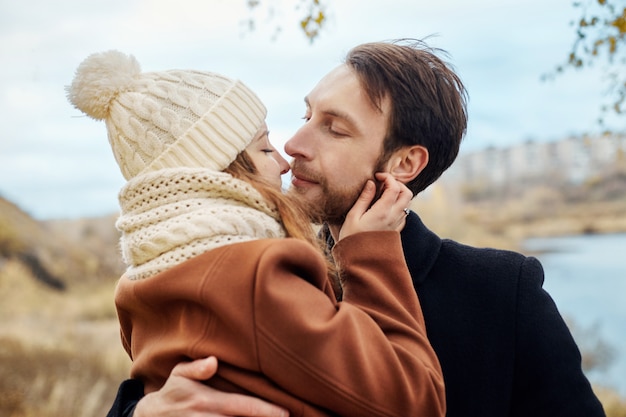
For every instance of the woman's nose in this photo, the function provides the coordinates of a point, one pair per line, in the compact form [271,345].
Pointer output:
[283,164]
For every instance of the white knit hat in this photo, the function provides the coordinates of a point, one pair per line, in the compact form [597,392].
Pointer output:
[168,119]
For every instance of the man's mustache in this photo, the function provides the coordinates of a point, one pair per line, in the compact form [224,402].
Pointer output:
[299,170]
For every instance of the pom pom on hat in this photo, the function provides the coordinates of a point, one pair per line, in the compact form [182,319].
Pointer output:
[167,119]
[99,79]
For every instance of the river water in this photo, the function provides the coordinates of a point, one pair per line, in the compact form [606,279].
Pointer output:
[586,277]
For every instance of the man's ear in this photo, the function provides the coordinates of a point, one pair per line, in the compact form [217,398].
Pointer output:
[406,163]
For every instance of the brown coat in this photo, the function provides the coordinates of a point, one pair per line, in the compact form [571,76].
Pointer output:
[266,309]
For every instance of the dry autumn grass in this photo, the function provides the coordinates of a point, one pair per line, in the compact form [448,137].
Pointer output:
[60,353]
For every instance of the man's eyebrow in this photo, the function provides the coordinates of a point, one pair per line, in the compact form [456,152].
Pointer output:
[336,113]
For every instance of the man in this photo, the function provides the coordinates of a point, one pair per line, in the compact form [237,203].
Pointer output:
[503,346]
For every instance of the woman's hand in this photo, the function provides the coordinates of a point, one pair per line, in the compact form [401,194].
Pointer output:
[388,213]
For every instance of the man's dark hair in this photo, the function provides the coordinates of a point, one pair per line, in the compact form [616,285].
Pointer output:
[428,100]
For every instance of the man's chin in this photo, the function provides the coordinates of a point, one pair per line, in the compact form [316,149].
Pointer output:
[310,203]
[305,194]
[323,206]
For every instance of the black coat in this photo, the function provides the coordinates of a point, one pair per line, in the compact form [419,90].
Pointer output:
[503,346]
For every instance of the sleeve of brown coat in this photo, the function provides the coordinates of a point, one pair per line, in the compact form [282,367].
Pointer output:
[367,355]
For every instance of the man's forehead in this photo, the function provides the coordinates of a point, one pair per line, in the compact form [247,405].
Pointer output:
[342,87]
[340,73]
[337,88]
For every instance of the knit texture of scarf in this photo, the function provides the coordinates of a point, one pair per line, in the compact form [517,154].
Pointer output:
[172,215]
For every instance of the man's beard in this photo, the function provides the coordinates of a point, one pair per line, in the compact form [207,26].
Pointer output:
[333,204]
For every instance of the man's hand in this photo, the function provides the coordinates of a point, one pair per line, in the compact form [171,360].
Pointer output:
[388,213]
[184,395]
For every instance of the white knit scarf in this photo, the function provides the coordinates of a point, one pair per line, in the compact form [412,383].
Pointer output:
[172,215]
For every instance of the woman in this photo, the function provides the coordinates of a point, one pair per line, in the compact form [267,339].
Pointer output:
[221,262]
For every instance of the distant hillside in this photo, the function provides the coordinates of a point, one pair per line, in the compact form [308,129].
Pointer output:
[60,253]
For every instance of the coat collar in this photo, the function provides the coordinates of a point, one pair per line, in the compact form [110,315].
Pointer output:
[421,248]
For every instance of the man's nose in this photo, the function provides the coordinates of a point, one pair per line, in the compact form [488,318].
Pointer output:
[299,144]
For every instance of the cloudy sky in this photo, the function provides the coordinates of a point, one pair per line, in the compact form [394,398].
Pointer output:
[54,162]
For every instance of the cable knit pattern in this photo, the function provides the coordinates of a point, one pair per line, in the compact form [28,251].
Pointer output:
[166,119]
[172,215]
